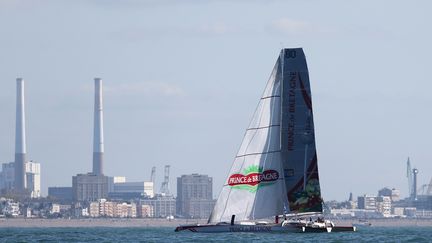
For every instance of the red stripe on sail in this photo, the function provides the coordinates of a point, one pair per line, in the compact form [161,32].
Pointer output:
[306,97]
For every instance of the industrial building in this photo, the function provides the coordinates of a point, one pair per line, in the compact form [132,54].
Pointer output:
[120,189]
[93,186]
[21,177]
[420,196]
[141,187]
[195,196]
[62,194]
[89,187]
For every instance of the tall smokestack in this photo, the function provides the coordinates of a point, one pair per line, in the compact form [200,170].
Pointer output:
[20,138]
[98,141]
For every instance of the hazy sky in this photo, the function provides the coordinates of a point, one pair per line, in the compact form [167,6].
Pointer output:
[182,79]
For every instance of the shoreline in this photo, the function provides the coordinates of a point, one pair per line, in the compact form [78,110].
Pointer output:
[94,222]
[152,222]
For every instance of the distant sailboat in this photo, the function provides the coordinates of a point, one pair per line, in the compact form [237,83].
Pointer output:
[275,172]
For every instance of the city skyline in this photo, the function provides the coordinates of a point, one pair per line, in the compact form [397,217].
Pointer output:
[181,90]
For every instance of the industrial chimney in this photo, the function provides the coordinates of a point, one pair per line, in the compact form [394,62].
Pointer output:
[20,138]
[98,141]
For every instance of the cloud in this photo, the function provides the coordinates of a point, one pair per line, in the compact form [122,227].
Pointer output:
[147,88]
[217,28]
[290,26]
[296,27]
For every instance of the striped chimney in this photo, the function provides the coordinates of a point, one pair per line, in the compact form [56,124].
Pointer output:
[98,139]
[20,138]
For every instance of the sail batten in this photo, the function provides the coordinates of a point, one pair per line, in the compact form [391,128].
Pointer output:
[275,169]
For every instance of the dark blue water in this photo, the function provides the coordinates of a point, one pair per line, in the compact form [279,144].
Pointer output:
[371,234]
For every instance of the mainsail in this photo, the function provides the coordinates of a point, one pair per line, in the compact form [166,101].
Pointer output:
[275,169]
[298,154]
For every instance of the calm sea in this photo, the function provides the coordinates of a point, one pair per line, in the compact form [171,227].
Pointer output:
[371,234]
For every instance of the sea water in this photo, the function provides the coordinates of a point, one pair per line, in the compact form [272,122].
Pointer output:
[369,234]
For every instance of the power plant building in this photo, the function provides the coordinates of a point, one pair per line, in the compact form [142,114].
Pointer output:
[63,194]
[142,187]
[93,186]
[89,187]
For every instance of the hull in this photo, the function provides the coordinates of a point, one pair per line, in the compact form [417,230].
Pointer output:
[309,229]
[344,229]
[240,228]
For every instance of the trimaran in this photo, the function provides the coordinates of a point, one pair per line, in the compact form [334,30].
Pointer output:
[275,173]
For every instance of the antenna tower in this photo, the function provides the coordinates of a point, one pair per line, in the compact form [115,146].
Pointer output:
[153,174]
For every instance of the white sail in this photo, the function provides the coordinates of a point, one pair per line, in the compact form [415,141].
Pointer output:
[255,186]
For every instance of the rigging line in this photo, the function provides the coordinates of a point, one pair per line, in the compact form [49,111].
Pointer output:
[268,152]
[256,128]
[272,96]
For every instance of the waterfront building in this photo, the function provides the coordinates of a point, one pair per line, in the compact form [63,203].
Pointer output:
[28,212]
[383,205]
[423,202]
[126,210]
[119,179]
[385,192]
[55,208]
[410,211]
[89,187]
[104,208]
[145,188]
[145,211]
[114,179]
[198,208]
[163,206]
[32,181]
[424,213]
[7,177]
[394,194]
[120,189]
[398,211]
[33,178]
[11,209]
[149,189]
[366,202]
[107,208]
[63,194]
[194,196]
[94,209]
